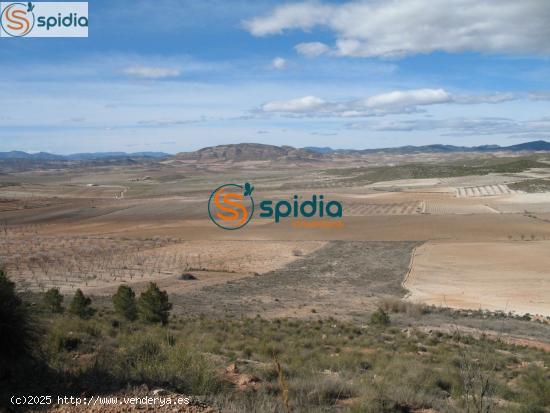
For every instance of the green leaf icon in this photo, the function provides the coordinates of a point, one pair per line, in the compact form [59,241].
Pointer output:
[248,188]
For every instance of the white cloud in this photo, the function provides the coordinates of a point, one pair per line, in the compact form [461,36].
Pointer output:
[166,122]
[395,102]
[292,16]
[300,105]
[150,72]
[406,27]
[312,49]
[400,98]
[279,63]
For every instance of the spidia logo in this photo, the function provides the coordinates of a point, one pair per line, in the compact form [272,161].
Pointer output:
[231,206]
[44,19]
[17,19]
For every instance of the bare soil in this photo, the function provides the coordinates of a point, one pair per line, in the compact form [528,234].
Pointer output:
[504,276]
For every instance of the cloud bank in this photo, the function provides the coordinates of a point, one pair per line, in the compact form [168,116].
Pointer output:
[395,102]
[406,27]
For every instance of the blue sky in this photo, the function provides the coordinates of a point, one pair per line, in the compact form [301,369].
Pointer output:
[173,76]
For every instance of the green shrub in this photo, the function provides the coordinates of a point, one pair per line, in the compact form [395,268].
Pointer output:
[380,318]
[153,305]
[149,358]
[58,341]
[81,305]
[124,302]
[53,300]
[536,387]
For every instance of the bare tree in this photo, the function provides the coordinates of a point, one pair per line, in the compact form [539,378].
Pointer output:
[478,379]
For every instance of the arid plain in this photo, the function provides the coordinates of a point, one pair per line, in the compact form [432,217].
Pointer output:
[439,261]
[470,242]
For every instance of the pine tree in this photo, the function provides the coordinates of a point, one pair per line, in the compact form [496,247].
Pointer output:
[124,302]
[53,300]
[80,306]
[153,305]
[15,326]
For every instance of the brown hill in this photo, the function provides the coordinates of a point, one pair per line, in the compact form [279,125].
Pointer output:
[249,152]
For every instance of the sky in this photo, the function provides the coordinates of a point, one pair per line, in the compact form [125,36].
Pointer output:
[174,76]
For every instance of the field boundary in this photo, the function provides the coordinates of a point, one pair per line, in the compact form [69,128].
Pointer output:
[411,264]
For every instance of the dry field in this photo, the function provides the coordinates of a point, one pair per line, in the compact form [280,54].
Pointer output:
[446,207]
[484,190]
[498,276]
[98,264]
[343,279]
[518,203]
[401,208]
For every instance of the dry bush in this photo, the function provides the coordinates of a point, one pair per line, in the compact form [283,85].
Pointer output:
[397,305]
[478,382]
[320,390]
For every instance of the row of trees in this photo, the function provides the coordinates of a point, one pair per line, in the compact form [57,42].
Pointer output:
[19,331]
[152,306]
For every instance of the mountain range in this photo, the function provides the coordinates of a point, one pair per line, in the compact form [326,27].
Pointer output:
[261,152]
[527,146]
[45,156]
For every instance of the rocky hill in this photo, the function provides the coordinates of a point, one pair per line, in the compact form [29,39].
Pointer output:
[249,152]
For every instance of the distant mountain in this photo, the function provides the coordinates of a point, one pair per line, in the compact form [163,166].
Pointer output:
[530,146]
[24,155]
[323,150]
[260,152]
[437,148]
[103,155]
[249,152]
[44,156]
